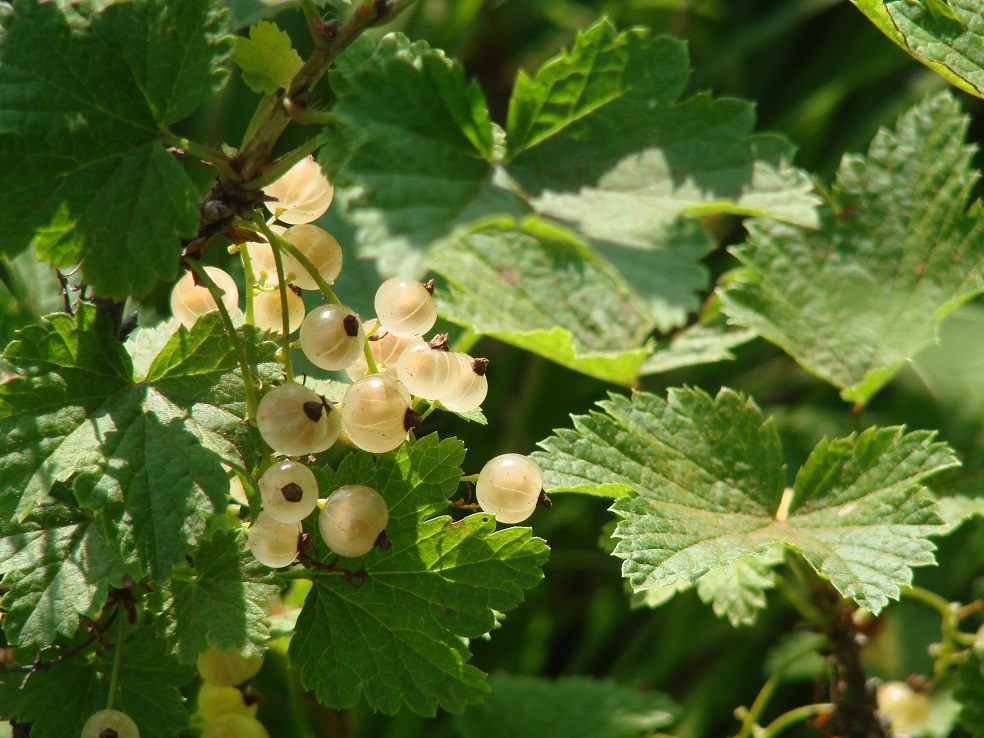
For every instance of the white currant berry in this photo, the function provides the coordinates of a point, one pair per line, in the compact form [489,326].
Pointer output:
[472,387]
[292,420]
[509,487]
[386,350]
[405,307]
[429,370]
[301,195]
[232,725]
[110,724]
[227,668]
[333,428]
[273,543]
[214,700]
[321,249]
[268,314]
[289,490]
[352,519]
[264,265]
[906,709]
[332,337]
[376,413]
[189,301]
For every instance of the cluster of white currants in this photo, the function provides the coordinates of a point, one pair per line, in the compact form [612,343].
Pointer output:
[222,708]
[390,364]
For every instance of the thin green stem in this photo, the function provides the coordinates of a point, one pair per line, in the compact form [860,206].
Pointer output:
[200,151]
[298,572]
[250,281]
[284,315]
[433,406]
[114,679]
[280,242]
[371,367]
[199,270]
[949,624]
[469,478]
[801,604]
[280,167]
[794,716]
[751,717]
[314,21]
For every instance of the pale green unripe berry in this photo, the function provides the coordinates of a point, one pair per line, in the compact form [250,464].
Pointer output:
[352,519]
[232,725]
[190,301]
[509,487]
[906,709]
[405,307]
[227,668]
[214,700]
[110,724]
[301,195]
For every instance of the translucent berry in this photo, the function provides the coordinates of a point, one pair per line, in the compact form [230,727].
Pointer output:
[289,490]
[429,370]
[268,312]
[264,265]
[214,700]
[472,387]
[232,725]
[273,543]
[333,428]
[321,249]
[376,413]
[227,668]
[302,195]
[110,724]
[386,350]
[352,519]
[405,307]
[292,420]
[907,709]
[332,337]
[189,301]
[509,487]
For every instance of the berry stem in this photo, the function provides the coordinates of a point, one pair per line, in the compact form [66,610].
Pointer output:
[117,661]
[206,280]
[433,406]
[203,152]
[279,242]
[284,315]
[473,478]
[250,281]
[794,716]
[950,624]
[371,367]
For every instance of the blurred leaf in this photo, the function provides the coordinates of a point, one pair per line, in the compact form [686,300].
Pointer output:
[797,656]
[247,12]
[896,252]
[968,693]
[28,290]
[708,481]
[85,97]
[545,292]
[267,59]
[561,708]
[945,35]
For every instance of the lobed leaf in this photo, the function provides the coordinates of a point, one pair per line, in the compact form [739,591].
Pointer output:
[897,250]
[702,484]
[85,93]
[399,638]
[266,58]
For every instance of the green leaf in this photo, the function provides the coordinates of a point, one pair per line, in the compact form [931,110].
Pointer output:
[968,693]
[945,35]
[699,344]
[417,136]
[896,252]
[626,156]
[601,66]
[398,638]
[570,706]
[28,290]
[57,566]
[708,481]
[545,292]
[267,58]
[147,455]
[84,98]
[244,13]
[59,700]
[217,602]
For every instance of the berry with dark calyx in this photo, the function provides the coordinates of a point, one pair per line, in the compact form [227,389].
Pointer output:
[405,307]
[110,724]
[289,490]
[214,700]
[333,427]
[509,487]
[190,301]
[429,370]
[268,311]
[227,668]
[292,420]
[472,387]
[353,519]
[376,413]
[332,337]
[385,347]
[273,543]
[301,195]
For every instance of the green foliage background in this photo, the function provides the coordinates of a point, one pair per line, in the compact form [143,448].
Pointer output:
[826,78]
